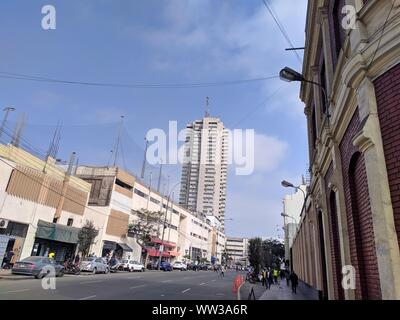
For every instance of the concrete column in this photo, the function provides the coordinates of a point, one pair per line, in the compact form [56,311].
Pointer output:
[369,141]
[337,180]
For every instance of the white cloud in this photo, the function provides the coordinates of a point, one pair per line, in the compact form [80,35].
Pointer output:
[269,152]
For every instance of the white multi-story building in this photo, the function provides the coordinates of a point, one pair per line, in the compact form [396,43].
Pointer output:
[237,250]
[204,172]
[292,207]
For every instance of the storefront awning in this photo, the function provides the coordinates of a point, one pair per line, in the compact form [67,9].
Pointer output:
[109,245]
[125,247]
[57,232]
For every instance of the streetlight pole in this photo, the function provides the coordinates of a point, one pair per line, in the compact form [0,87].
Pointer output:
[165,222]
[3,124]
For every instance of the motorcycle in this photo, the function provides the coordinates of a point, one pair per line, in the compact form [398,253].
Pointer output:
[71,268]
[115,265]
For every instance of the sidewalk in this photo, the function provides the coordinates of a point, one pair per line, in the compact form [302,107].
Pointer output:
[283,292]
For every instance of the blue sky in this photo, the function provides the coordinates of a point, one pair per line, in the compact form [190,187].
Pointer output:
[157,41]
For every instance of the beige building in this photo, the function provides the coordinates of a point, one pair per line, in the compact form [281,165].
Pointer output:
[204,171]
[352,216]
[41,207]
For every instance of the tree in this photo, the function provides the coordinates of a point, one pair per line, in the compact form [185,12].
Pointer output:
[86,236]
[256,254]
[145,227]
[273,252]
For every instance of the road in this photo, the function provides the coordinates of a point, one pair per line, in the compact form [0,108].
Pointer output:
[151,285]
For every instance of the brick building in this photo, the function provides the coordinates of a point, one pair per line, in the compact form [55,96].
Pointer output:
[352,214]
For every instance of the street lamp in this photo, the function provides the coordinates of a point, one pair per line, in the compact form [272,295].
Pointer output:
[7,110]
[285,215]
[287,184]
[289,75]
[165,222]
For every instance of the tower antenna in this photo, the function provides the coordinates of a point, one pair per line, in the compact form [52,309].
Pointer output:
[207,114]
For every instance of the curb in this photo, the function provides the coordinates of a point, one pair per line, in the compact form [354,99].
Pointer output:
[238,292]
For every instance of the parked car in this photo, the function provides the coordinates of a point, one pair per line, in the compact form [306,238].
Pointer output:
[38,267]
[131,265]
[209,266]
[202,266]
[94,265]
[178,265]
[166,266]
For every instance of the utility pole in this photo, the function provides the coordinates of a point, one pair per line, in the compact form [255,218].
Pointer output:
[159,176]
[7,110]
[162,238]
[148,198]
[144,159]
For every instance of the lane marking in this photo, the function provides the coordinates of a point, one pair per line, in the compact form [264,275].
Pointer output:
[186,290]
[87,298]
[220,294]
[140,286]
[15,291]
[202,284]
[165,281]
[214,280]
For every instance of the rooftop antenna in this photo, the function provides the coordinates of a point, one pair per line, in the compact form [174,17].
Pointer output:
[7,110]
[16,139]
[118,140]
[207,107]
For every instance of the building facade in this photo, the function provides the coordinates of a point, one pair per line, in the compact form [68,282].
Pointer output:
[237,250]
[352,217]
[292,207]
[42,207]
[204,171]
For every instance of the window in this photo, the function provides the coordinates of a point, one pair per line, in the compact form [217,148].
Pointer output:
[70,222]
[55,220]
[123,185]
[140,193]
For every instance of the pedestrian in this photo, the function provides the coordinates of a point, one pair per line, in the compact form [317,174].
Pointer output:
[51,255]
[264,277]
[287,275]
[222,271]
[270,279]
[294,279]
[275,274]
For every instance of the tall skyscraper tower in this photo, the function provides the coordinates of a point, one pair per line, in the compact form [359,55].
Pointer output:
[204,171]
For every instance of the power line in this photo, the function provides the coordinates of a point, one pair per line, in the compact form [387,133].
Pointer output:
[383,31]
[280,26]
[17,76]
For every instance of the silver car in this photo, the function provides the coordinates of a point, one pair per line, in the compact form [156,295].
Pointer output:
[94,265]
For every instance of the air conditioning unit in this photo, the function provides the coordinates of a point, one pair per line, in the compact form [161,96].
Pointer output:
[3,223]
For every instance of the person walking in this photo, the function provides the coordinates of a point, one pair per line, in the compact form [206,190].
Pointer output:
[275,274]
[294,279]
[264,277]
[222,271]
[287,276]
[270,280]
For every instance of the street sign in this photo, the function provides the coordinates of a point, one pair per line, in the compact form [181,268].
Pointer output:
[162,248]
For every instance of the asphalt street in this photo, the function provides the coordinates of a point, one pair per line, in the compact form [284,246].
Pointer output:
[175,285]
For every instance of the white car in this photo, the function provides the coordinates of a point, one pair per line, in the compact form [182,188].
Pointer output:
[178,265]
[131,265]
